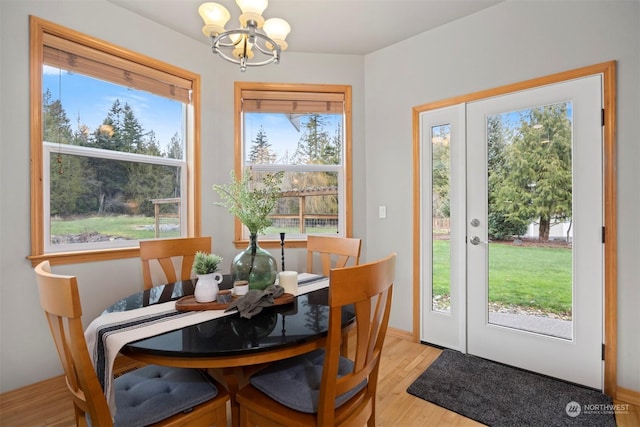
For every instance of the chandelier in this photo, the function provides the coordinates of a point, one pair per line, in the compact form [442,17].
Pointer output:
[257,42]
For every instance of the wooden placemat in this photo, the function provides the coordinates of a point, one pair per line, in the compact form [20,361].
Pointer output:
[189,303]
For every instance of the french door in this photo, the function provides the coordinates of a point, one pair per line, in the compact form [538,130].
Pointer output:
[513,258]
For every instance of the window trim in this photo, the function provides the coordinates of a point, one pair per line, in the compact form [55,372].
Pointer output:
[39,29]
[304,90]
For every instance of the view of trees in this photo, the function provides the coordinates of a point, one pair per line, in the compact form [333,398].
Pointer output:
[316,146]
[96,186]
[88,185]
[529,171]
[440,170]
[530,176]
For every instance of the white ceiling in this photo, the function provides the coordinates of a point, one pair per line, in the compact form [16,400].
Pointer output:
[323,26]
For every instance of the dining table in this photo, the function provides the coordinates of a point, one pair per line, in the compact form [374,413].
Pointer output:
[150,326]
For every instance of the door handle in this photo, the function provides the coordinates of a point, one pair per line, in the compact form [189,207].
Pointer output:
[475,240]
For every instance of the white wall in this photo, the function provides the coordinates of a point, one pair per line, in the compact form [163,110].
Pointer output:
[507,43]
[27,354]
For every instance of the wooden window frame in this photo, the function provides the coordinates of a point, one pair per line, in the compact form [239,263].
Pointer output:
[43,32]
[304,92]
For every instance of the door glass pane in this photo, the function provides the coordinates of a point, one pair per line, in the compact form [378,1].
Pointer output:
[441,218]
[530,217]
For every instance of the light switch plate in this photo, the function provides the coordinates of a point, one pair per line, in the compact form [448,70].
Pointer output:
[382,211]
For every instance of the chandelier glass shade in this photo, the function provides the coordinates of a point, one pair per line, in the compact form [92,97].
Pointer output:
[257,42]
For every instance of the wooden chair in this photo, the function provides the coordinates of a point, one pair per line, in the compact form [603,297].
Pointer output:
[334,252]
[287,392]
[164,250]
[148,404]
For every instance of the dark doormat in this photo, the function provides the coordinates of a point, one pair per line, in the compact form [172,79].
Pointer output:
[498,395]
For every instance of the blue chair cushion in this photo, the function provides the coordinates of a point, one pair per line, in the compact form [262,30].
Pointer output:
[153,393]
[295,382]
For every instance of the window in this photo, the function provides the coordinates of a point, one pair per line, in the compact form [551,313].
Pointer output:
[305,131]
[114,148]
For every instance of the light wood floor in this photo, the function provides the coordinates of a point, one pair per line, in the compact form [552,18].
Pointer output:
[48,404]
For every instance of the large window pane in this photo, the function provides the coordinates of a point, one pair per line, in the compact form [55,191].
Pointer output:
[303,133]
[97,202]
[94,201]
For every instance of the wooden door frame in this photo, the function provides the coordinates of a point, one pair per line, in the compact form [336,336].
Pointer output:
[608,72]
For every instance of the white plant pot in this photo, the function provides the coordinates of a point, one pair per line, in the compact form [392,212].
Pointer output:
[207,287]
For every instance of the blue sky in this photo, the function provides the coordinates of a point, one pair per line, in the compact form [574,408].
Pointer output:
[162,115]
[281,133]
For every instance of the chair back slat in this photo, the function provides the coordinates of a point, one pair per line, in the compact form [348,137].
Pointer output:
[368,288]
[333,252]
[165,252]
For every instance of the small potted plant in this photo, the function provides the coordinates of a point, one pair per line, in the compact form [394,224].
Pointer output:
[205,266]
[204,263]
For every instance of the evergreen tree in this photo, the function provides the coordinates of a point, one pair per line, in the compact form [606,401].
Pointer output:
[67,173]
[150,145]
[441,172]
[132,135]
[111,176]
[174,150]
[316,146]
[261,152]
[536,183]
[144,180]
[504,221]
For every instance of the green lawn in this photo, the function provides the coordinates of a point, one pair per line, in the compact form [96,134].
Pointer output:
[141,227]
[124,226]
[526,276]
[519,275]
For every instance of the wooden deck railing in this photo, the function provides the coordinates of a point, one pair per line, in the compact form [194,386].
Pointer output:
[156,205]
[302,216]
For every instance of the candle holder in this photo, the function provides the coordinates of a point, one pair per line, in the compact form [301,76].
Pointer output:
[282,249]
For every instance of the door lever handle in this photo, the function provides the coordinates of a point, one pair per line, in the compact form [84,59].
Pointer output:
[475,240]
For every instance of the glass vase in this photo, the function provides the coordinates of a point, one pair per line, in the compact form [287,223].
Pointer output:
[255,265]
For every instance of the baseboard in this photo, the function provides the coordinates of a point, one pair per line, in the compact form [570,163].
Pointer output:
[628,396]
[399,333]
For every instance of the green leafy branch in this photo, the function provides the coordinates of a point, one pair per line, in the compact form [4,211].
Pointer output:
[251,201]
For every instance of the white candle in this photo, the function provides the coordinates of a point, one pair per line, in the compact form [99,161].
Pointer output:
[240,287]
[289,281]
